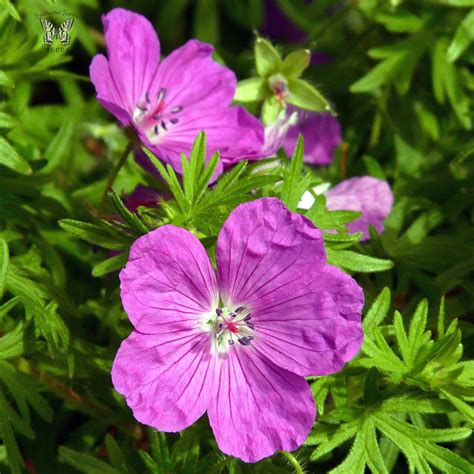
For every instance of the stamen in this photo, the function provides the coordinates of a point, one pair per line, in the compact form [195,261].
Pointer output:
[239,309]
[174,120]
[163,124]
[248,317]
[142,107]
[245,341]
[250,325]
[156,130]
[176,110]
[162,94]
[219,311]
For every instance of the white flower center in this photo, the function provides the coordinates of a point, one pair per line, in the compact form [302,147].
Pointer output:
[229,326]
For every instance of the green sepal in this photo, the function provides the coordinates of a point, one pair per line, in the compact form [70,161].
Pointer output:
[271,109]
[295,63]
[305,96]
[267,58]
[253,89]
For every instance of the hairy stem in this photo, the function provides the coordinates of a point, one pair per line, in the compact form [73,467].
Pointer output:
[293,461]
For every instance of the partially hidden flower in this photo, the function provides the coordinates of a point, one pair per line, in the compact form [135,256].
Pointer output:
[321,133]
[370,196]
[142,196]
[169,102]
[238,343]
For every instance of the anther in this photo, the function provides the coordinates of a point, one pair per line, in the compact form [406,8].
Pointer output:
[147,96]
[161,94]
[174,120]
[156,130]
[219,311]
[250,325]
[248,317]
[142,107]
[156,116]
[176,110]
[239,309]
[245,341]
[163,124]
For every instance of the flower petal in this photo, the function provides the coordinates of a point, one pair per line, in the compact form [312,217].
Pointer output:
[321,133]
[259,408]
[262,248]
[232,131]
[166,379]
[168,283]
[313,330]
[107,93]
[193,80]
[133,53]
[371,196]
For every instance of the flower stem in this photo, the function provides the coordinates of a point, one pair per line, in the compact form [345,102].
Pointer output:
[293,461]
[113,175]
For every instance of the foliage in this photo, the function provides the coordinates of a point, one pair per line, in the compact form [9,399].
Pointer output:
[400,79]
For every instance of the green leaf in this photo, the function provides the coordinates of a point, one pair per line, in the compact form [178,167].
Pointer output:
[112,264]
[378,311]
[84,463]
[206,21]
[116,456]
[7,121]
[129,217]
[292,190]
[4,261]
[267,58]
[356,262]
[305,96]
[462,38]
[11,159]
[96,234]
[253,89]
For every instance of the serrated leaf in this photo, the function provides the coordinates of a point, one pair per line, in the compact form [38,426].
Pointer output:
[84,463]
[356,262]
[378,311]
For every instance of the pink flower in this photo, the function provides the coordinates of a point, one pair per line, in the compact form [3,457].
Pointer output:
[237,344]
[169,102]
[371,196]
[321,133]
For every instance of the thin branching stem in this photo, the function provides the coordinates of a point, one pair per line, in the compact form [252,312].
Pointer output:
[113,176]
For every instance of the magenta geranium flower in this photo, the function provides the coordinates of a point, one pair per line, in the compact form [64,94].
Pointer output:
[368,195]
[237,344]
[321,133]
[169,102]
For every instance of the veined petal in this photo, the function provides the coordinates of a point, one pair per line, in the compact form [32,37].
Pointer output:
[314,330]
[259,408]
[264,248]
[133,53]
[166,379]
[231,131]
[193,80]
[107,92]
[168,283]
[371,196]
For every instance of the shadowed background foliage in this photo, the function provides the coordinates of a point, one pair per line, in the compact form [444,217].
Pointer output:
[399,75]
